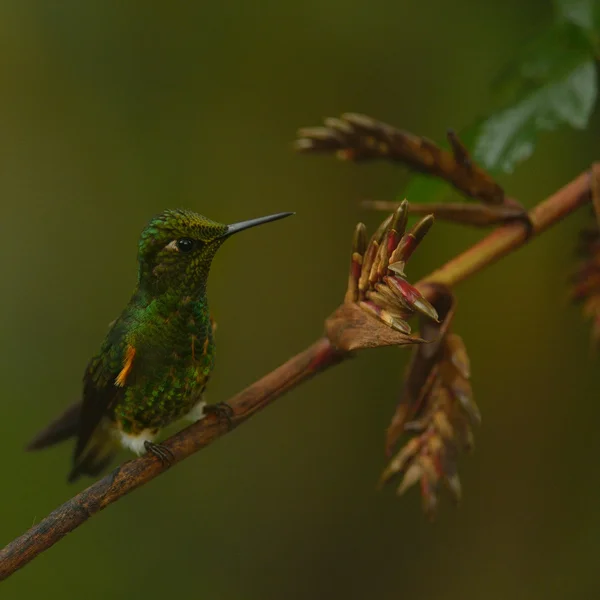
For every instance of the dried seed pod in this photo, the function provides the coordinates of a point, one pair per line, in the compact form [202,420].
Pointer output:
[359,138]
[359,244]
[586,277]
[436,409]
[377,289]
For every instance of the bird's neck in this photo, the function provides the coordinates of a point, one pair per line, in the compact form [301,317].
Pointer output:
[181,302]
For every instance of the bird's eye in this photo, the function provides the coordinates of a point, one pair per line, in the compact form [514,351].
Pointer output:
[185,244]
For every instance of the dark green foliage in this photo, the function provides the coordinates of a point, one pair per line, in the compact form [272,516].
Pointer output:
[550,83]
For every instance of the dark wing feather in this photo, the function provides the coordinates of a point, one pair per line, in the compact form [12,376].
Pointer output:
[99,395]
[104,385]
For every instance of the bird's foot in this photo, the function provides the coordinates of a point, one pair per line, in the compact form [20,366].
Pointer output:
[164,454]
[221,410]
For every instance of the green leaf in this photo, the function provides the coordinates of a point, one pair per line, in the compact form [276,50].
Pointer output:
[553,84]
[582,13]
[557,46]
[509,137]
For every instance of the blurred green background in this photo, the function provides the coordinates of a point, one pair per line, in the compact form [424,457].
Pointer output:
[111,112]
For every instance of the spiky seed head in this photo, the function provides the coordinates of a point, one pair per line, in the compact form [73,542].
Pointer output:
[442,426]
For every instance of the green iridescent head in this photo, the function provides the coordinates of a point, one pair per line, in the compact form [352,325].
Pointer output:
[177,247]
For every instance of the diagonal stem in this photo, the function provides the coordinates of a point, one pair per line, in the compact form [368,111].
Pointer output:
[315,359]
[183,444]
[512,236]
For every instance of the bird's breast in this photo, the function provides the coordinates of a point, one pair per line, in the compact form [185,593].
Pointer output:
[169,378]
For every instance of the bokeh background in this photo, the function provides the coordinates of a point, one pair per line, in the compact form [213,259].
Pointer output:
[111,112]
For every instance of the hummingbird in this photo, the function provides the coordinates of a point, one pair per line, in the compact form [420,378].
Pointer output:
[157,357]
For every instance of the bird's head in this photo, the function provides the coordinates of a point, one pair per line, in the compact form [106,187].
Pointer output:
[177,247]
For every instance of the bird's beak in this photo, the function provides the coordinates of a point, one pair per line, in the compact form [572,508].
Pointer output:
[236,227]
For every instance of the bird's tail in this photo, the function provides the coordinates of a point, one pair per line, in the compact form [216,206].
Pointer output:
[62,428]
[95,457]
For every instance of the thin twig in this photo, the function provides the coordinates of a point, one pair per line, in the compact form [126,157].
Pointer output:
[512,236]
[139,471]
[475,215]
[298,369]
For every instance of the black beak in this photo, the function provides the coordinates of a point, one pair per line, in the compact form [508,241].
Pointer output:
[235,227]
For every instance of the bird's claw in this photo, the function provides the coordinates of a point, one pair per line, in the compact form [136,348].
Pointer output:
[221,410]
[164,454]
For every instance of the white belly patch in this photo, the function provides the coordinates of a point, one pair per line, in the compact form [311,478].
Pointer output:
[135,443]
[197,412]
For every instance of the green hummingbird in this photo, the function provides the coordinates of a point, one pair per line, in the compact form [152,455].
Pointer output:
[158,355]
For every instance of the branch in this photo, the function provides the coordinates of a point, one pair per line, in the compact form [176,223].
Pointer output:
[475,215]
[315,359]
[512,236]
[183,444]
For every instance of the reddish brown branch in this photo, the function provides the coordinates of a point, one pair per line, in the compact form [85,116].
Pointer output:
[313,360]
[474,215]
[508,238]
[135,473]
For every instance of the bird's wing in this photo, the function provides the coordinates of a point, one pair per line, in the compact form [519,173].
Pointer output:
[104,383]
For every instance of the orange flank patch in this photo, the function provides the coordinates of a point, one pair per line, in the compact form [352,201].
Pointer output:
[127,366]
[204,347]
